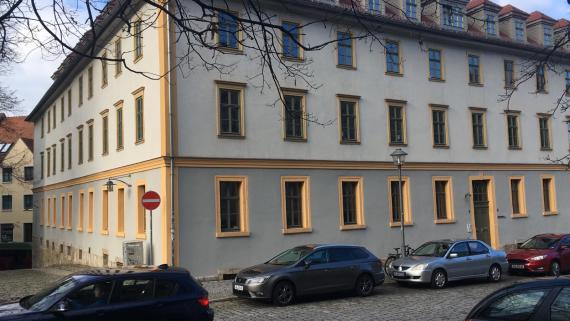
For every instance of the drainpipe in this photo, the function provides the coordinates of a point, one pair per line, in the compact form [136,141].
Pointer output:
[171,142]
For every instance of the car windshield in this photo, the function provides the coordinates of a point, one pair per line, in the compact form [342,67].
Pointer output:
[290,256]
[49,296]
[539,243]
[437,249]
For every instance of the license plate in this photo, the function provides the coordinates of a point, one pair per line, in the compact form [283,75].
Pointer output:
[399,274]
[517,266]
[238,287]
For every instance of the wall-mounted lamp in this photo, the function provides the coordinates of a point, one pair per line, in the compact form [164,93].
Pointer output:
[109,184]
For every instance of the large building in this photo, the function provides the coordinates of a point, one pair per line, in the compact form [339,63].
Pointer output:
[246,170]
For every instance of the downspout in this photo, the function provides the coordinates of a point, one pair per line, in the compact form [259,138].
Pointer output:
[171,141]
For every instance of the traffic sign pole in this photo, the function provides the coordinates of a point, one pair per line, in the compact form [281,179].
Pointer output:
[150,201]
[151,248]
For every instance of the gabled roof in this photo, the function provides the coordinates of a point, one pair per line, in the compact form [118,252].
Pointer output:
[537,15]
[485,3]
[510,9]
[562,23]
[12,128]
[29,143]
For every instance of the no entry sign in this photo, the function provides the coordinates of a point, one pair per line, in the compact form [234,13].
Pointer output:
[150,200]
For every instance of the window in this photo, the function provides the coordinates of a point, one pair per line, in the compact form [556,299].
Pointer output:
[231,206]
[120,137]
[392,49]
[62,164]
[90,296]
[476,248]
[461,249]
[513,131]
[137,31]
[295,204]
[90,211]
[349,120]
[294,112]
[560,309]
[397,124]
[509,67]
[6,232]
[43,124]
[105,212]
[49,120]
[68,102]
[230,110]
[228,33]
[80,145]
[42,162]
[491,25]
[518,201]
[7,175]
[53,147]
[548,195]
[105,132]
[121,212]
[69,152]
[519,30]
[443,200]
[567,72]
[28,202]
[375,6]
[104,70]
[80,93]
[81,209]
[478,123]
[548,36]
[62,212]
[118,57]
[541,78]
[411,9]
[139,117]
[474,70]
[48,162]
[53,212]
[54,118]
[398,204]
[6,202]
[168,288]
[69,210]
[134,290]
[435,66]
[452,16]
[141,214]
[89,82]
[345,49]
[515,306]
[439,126]
[291,40]
[62,108]
[351,203]
[90,141]
[544,126]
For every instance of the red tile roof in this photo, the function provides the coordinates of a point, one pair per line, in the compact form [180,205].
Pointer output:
[537,15]
[12,128]
[511,9]
[476,3]
[562,23]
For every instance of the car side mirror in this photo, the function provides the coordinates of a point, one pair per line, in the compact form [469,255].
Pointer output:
[452,255]
[62,306]
[519,245]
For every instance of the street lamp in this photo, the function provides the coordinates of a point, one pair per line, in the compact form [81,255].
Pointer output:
[399,157]
[109,184]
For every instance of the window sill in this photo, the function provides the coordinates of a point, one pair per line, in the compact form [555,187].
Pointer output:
[510,88]
[474,84]
[230,50]
[103,86]
[104,232]
[79,229]
[295,140]
[353,227]
[137,59]
[346,67]
[441,146]
[398,144]
[549,149]
[348,142]
[397,224]
[141,236]
[516,216]
[120,234]
[444,222]
[105,154]
[515,148]
[118,74]
[436,80]
[139,142]
[230,136]
[297,230]
[544,92]
[231,234]
[293,59]
[550,213]
[120,149]
[68,228]
[89,231]
[395,74]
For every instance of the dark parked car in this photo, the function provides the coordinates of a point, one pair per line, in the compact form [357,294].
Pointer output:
[542,300]
[311,269]
[116,294]
[545,253]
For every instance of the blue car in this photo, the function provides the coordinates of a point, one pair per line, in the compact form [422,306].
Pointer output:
[163,293]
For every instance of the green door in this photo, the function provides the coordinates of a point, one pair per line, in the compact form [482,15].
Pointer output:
[481,211]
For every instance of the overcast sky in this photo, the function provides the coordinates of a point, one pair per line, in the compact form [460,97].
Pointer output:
[31,78]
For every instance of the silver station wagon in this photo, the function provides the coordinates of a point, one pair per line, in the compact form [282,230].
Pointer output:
[438,262]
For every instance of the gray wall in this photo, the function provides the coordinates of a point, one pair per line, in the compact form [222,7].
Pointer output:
[204,254]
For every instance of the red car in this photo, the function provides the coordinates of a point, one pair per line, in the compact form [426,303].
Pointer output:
[545,253]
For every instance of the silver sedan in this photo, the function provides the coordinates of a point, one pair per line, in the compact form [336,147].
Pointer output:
[438,262]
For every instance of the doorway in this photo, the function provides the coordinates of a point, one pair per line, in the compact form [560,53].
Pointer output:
[480,199]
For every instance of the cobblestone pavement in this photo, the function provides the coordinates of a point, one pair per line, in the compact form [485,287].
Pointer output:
[390,302]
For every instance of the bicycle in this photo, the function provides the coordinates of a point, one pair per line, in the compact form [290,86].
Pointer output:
[394,256]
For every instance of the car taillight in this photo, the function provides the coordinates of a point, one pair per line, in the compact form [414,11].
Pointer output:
[204,302]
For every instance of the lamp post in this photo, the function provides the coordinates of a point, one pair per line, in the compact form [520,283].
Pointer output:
[399,157]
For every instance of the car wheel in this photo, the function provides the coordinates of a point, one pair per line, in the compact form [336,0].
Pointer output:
[495,273]
[283,293]
[555,268]
[387,264]
[438,279]
[364,285]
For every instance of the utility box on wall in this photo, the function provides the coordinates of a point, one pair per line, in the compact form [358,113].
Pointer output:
[133,253]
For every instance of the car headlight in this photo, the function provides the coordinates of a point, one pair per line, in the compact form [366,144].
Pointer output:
[538,258]
[419,267]
[256,280]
